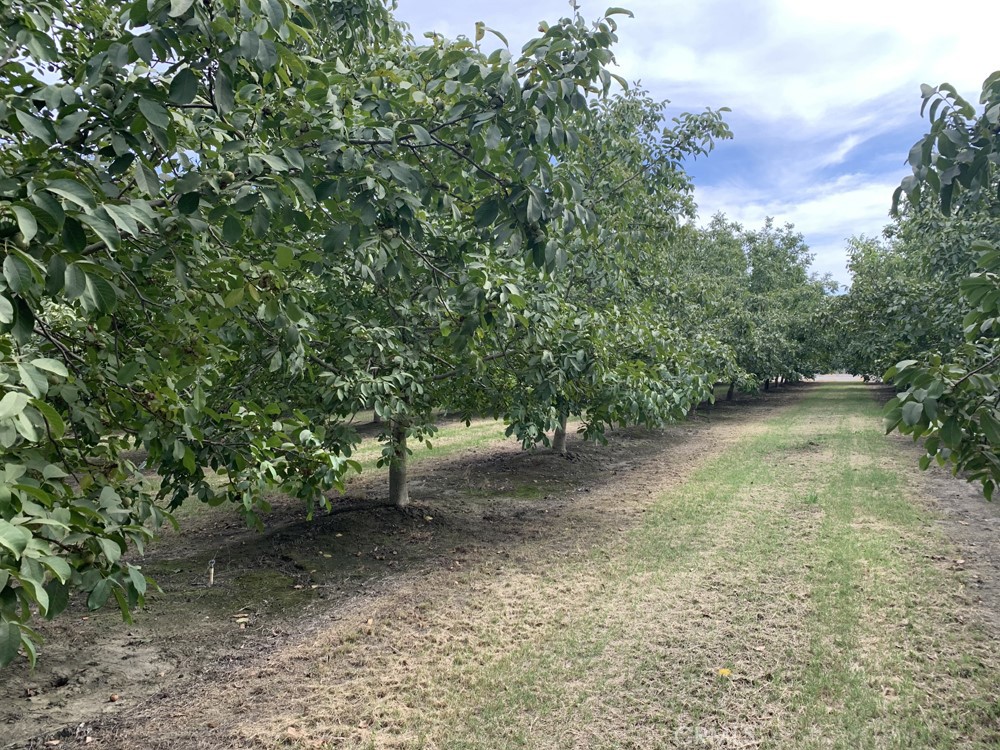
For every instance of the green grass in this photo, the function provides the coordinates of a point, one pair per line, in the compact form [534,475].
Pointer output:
[795,560]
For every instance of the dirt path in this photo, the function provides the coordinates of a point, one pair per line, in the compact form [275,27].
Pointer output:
[356,630]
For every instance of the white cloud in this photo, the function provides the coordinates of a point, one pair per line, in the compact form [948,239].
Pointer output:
[811,85]
[808,61]
[840,153]
[827,214]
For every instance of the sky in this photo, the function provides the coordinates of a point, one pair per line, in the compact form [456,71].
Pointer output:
[825,94]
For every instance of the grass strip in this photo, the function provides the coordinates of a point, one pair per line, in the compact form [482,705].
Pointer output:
[782,597]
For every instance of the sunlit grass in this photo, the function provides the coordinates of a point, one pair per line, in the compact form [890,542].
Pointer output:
[779,598]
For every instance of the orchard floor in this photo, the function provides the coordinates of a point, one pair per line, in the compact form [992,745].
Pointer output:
[773,573]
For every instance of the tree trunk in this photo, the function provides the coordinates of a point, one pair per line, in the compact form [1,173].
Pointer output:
[767,385]
[731,391]
[399,491]
[559,438]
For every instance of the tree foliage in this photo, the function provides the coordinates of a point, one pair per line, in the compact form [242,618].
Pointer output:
[227,227]
[931,295]
[755,294]
[214,218]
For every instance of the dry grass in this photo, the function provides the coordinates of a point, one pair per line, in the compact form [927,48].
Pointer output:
[739,615]
[773,584]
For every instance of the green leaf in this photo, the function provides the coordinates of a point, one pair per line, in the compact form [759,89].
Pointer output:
[534,208]
[147,180]
[100,594]
[951,433]
[32,581]
[274,162]
[76,281]
[284,256]
[14,538]
[493,137]
[51,471]
[51,365]
[27,429]
[12,404]
[499,36]
[618,12]
[189,460]
[100,294]
[232,230]
[224,97]
[188,203]
[58,593]
[41,129]
[487,213]
[41,46]
[36,383]
[70,126]
[110,548]
[234,297]
[143,48]
[991,428]
[59,567]
[72,191]
[122,218]
[24,322]
[74,235]
[55,275]
[10,642]
[138,579]
[275,13]
[184,87]
[6,311]
[104,230]
[423,137]
[893,417]
[18,275]
[912,412]
[154,113]
[179,7]
[25,222]
[405,175]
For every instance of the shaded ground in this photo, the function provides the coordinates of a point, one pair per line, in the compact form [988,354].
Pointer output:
[498,554]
